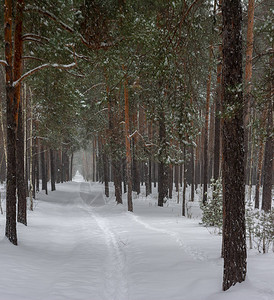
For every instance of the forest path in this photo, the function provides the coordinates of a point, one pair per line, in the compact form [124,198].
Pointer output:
[80,245]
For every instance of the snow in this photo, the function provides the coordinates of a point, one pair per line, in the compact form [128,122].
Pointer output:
[80,245]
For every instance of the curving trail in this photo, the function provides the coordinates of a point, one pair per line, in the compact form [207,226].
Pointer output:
[81,246]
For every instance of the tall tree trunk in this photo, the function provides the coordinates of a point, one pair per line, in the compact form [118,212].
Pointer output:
[43,169]
[217,135]
[162,167]
[52,170]
[260,162]
[21,186]
[268,160]
[154,174]
[13,99]
[71,167]
[31,155]
[248,74]
[37,175]
[170,181]
[135,168]
[117,181]
[192,174]
[176,178]
[94,160]
[233,142]
[128,153]
[205,175]
[184,188]
[106,177]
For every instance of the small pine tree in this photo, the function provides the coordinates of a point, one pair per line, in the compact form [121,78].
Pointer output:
[263,235]
[213,210]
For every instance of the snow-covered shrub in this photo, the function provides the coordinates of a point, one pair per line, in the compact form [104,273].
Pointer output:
[213,210]
[263,230]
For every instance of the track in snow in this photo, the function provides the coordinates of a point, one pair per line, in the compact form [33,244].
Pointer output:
[193,252]
[115,266]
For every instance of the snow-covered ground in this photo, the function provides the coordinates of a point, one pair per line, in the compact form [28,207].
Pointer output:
[80,245]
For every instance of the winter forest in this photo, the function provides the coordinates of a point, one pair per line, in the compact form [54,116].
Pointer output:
[136,149]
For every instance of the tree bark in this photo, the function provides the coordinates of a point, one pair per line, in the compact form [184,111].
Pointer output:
[233,142]
[217,135]
[268,161]
[43,169]
[106,177]
[52,170]
[37,174]
[205,175]
[11,232]
[260,162]
[192,174]
[20,182]
[162,167]
[170,181]
[184,188]
[128,153]
[248,74]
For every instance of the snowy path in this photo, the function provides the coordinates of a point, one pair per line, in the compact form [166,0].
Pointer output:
[80,246]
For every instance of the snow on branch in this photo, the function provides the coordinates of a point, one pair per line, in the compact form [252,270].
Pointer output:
[102,45]
[32,57]
[136,132]
[34,36]
[44,66]
[3,62]
[51,16]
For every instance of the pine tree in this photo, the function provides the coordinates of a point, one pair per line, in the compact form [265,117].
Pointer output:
[233,138]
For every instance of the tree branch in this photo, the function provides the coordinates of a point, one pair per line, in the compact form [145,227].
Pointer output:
[48,14]
[32,57]
[36,36]
[51,16]
[3,63]
[44,66]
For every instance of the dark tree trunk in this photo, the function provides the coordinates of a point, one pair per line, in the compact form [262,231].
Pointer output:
[216,168]
[37,159]
[192,174]
[66,167]
[268,162]
[12,99]
[94,161]
[233,143]
[184,188]
[146,171]
[62,166]
[162,167]
[117,181]
[149,176]
[176,178]
[11,233]
[71,167]
[135,169]
[52,169]
[170,181]
[106,177]
[44,169]
[124,176]
[21,186]
[154,174]
[58,167]
[34,165]
[181,174]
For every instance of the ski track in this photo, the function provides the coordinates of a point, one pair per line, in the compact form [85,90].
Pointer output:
[116,284]
[193,252]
